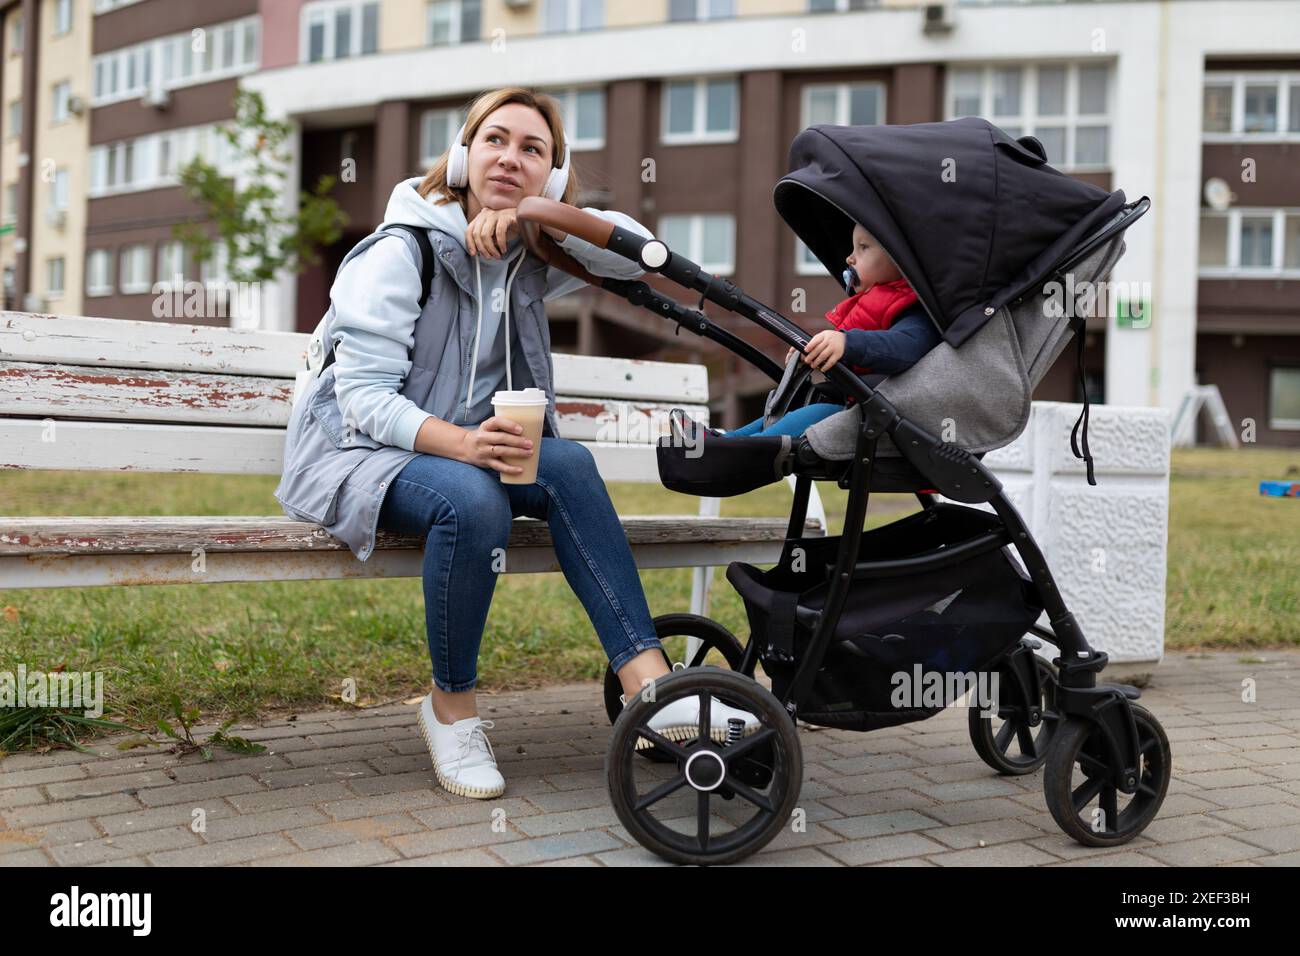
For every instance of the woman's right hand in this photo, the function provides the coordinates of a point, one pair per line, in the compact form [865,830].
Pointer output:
[493,443]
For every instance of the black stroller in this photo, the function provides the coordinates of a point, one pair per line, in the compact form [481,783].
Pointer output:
[1001,250]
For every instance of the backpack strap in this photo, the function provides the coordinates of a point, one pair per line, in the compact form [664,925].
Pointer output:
[427,267]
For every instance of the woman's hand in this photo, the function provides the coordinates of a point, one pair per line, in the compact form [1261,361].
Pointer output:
[494,441]
[825,349]
[490,231]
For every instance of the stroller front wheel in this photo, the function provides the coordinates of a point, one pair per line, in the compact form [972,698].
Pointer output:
[1077,786]
[1017,725]
[716,802]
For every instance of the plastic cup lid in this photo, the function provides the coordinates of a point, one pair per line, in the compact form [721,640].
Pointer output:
[526,396]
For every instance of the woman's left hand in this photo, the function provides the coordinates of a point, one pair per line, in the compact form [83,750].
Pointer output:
[490,231]
[825,349]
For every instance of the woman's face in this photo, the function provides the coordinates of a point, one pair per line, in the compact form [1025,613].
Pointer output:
[871,263]
[509,158]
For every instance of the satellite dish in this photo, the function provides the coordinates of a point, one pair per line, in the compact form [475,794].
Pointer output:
[1217,194]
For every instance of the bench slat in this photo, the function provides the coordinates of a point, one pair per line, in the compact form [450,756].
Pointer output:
[79,391]
[228,567]
[125,343]
[23,537]
[214,449]
[123,394]
[170,346]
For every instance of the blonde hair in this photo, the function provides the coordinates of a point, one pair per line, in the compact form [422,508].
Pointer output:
[435,180]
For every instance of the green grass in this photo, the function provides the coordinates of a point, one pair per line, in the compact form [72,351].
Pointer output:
[1234,554]
[247,650]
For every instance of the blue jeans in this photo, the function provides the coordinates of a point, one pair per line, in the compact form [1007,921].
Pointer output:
[464,513]
[792,423]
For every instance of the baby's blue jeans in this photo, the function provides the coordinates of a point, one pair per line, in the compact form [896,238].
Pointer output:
[792,423]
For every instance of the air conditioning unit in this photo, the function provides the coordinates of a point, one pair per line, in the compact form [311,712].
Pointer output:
[157,98]
[58,218]
[76,105]
[937,18]
[518,4]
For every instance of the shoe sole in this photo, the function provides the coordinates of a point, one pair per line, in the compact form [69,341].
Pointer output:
[688,732]
[451,786]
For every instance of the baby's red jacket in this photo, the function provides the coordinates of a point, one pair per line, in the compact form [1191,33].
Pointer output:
[872,310]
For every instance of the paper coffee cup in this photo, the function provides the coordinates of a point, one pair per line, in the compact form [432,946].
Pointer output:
[527,407]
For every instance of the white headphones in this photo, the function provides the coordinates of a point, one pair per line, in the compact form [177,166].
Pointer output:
[458,168]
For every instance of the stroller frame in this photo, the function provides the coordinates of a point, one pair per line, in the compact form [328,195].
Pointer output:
[951,470]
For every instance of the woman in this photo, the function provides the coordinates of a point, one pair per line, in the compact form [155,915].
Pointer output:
[399,432]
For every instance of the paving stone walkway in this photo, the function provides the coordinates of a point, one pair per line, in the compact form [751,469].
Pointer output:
[356,788]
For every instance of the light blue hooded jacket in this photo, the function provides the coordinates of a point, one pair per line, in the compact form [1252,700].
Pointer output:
[354,428]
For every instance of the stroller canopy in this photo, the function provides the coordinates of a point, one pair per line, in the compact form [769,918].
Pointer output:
[971,216]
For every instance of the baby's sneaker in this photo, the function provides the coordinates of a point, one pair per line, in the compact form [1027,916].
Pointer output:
[687,431]
[680,720]
[462,757]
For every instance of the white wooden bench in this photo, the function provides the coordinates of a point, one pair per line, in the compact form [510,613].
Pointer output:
[112,395]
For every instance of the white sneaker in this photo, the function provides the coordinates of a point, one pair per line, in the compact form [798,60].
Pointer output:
[680,720]
[462,757]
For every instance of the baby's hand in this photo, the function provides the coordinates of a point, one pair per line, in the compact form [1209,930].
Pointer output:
[825,349]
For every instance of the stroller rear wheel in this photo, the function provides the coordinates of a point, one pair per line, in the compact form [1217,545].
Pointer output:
[1027,724]
[718,647]
[670,809]
[1080,795]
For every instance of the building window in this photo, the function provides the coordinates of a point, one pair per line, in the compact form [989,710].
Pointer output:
[216,267]
[844,104]
[134,269]
[16,34]
[1284,399]
[15,118]
[11,203]
[839,6]
[805,263]
[566,16]
[54,276]
[171,263]
[154,161]
[1065,105]
[584,117]
[59,191]
[62,92]
[1247,243]
[62,17]
[1251,106]
[700,111]
[337,29]
[708,240]
[701,9]
[167,63]
[437,129]
[454,21]
[99,272]
[103,6]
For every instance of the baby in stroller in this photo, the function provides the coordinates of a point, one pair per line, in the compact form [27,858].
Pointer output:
[881,330]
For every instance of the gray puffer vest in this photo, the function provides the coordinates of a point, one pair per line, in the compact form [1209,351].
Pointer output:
[336,475]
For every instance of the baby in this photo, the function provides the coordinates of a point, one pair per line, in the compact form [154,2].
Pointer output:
[882,329]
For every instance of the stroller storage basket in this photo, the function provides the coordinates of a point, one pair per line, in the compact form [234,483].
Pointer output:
[952,615]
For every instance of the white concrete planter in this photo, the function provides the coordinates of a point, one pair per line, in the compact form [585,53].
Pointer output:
[1106,545]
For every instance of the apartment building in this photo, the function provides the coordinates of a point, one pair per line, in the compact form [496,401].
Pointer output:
[163,77]
[681,113]
[44,80]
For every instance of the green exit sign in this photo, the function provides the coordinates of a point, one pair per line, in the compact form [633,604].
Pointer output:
[1132,313]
